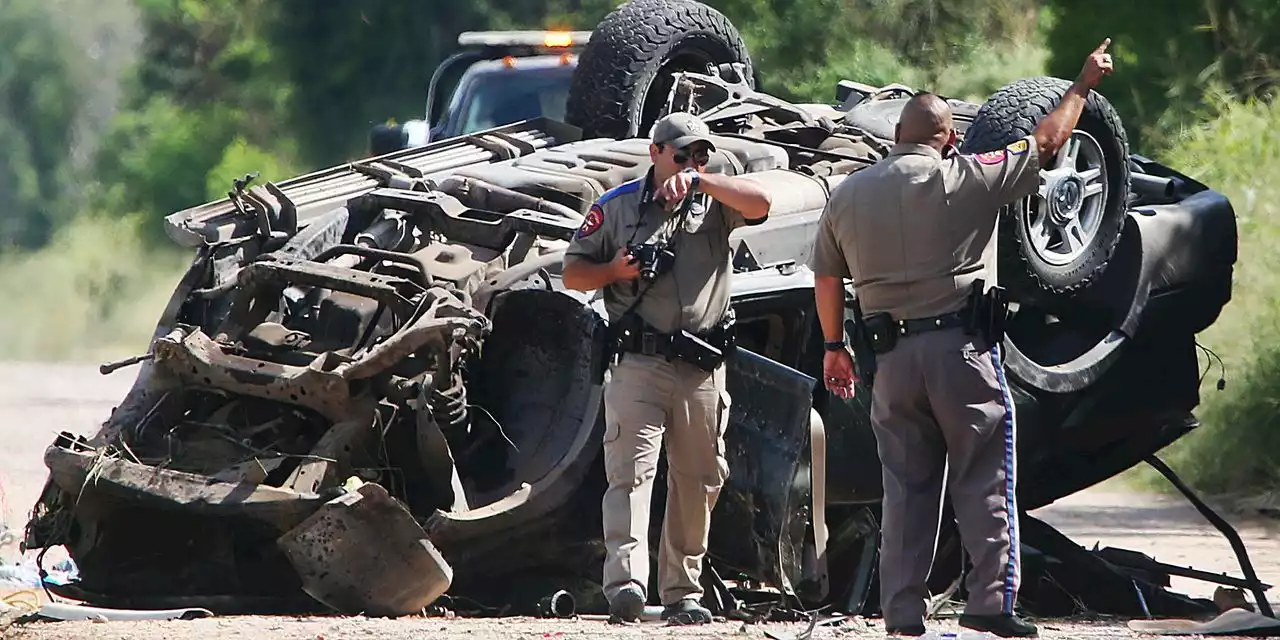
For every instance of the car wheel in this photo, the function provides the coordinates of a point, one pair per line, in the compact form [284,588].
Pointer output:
[1057,242]
[625,71]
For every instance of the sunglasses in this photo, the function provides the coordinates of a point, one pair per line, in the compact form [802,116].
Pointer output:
[701,157]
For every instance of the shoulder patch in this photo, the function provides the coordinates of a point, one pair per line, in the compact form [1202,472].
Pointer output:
[595,218]
[1015,148]
[991,157]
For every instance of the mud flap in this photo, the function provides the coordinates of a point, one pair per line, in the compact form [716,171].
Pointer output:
[816,577]
[768,492]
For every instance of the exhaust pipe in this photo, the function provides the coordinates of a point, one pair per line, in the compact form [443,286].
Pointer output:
[557,605]
[1150,187]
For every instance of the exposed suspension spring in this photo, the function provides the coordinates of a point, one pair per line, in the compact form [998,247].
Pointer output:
[449,406]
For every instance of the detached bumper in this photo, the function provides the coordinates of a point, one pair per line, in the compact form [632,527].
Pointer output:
[87,475]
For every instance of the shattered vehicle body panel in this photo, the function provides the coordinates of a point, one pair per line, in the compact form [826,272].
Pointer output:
[399,325]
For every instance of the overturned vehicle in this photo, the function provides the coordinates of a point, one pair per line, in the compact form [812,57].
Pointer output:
[371,393]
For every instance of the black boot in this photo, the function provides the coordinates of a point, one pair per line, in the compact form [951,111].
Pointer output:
[627,605]
[686,611]
[1002,625]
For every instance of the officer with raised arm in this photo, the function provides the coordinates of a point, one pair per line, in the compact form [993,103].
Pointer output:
[659,248]
[915,233]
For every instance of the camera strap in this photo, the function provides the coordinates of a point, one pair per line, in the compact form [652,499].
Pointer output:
[675,234]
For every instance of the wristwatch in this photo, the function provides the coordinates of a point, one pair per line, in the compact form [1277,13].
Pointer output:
[697,177]
[834,346]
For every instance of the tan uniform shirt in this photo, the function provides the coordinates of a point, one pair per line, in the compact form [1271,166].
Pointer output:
[694,295]
[914,230]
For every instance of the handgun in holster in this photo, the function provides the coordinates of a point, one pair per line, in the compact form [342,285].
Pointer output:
[988,312]
[709,350]
[864,347]
[696,351]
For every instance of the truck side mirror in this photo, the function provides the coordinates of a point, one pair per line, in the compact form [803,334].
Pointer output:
[387,137]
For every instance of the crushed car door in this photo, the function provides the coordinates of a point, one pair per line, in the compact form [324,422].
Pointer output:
[759,524]
[856,480]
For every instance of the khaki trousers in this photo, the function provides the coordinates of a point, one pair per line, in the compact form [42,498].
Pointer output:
[940,410]
[645,399]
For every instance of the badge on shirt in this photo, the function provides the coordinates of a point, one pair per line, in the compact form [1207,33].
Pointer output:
[697,215]
[595,218]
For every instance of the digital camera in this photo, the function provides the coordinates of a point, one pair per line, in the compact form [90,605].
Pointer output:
[655,259]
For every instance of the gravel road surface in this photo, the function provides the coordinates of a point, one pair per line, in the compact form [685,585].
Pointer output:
[39,400]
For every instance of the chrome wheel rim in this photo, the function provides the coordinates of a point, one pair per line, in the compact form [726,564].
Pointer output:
[1066,213]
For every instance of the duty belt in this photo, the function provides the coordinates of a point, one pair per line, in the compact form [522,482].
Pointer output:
[935,323]
[984,314]
[883,331]
[647,342]
[707,350]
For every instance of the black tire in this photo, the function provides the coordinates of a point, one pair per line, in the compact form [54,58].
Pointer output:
[624,72]
[1013,112]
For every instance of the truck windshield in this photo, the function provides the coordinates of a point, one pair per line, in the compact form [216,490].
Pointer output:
[492,96]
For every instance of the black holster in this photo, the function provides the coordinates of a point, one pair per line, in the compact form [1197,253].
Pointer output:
[988,312]
[707,351]
[863,343]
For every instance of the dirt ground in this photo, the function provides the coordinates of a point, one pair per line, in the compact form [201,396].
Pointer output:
[486,629]
[39,400]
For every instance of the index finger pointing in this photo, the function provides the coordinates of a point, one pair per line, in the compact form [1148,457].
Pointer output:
[1103,47]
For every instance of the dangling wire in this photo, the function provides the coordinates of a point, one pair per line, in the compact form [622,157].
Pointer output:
[1222,380]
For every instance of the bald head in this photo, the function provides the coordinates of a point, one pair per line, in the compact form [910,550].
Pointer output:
[926,119]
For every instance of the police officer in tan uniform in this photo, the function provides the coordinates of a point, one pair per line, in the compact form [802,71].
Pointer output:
[915,232]
[668,307]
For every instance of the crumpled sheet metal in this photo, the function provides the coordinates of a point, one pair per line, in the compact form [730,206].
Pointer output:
[165,488]
[363,552]
[189,356]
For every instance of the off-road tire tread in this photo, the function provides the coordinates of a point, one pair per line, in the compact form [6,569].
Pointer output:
[625,52]
[1012,112]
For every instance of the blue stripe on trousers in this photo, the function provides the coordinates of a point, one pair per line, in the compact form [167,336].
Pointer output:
[1011,502]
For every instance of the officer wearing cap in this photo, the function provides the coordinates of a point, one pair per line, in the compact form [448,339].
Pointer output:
[663,383]
[915,232]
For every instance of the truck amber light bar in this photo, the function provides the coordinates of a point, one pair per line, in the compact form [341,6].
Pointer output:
[549,39]
[557,39]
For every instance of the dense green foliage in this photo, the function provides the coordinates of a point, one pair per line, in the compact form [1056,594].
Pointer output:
[39,102]
[1238,447]
[117,112]
[1168,53]
[206,85]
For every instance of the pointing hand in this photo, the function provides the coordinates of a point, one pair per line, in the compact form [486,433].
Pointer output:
[1097,65]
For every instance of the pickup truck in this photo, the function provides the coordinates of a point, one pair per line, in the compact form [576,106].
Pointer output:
[505,77]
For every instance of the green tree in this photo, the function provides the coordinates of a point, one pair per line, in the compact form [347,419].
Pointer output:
[1168,56]
[804,46]
[39,104]
[206,79]
[354,65]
